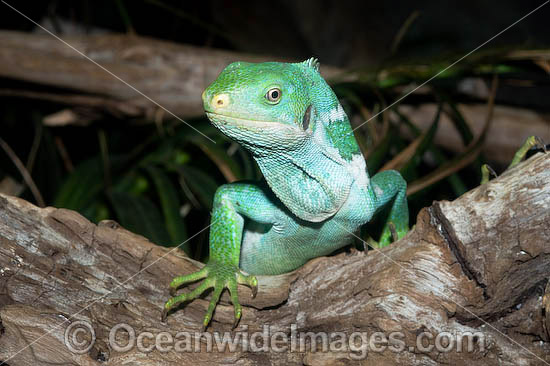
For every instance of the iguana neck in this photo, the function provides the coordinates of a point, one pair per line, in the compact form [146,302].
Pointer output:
[311,178]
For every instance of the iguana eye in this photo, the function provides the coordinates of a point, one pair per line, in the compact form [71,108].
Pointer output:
[273,95]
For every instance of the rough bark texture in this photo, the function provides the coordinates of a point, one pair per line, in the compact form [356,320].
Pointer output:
[173,75]
[478,264]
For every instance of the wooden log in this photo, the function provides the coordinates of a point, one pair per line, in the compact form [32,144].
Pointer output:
[475,268]
[173,75]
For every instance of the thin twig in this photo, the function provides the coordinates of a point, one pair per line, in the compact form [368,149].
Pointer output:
[469,155]
[64,154]
[403,30]
[35,145]
[24,173]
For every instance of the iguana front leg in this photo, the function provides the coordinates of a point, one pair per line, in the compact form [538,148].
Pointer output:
[232,203]
[390,187]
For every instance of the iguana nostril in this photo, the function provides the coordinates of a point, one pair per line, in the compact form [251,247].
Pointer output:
[220,101]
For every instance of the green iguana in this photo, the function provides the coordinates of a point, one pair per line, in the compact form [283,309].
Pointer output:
[318,190]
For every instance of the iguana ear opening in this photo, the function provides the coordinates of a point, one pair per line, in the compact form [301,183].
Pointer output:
[313,63]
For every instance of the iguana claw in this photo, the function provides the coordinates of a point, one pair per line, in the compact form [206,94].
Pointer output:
[235,323]
[218,276]
[164,315]
[173,292]
[250,281]
[531,142]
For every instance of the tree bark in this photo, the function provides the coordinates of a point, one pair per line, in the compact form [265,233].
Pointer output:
[478,265]
[173,75]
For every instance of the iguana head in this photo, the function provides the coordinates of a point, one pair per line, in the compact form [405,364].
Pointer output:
[291,121]
[263,105]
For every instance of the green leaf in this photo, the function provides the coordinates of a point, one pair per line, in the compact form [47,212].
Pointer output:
[97,211]
[409,170]
[48,169]
[458,119]
[139,215]
[376,157]
[226,164]
[170,203]
[456,183]
[463,128]
[82,187]
[132,182]
[200,183]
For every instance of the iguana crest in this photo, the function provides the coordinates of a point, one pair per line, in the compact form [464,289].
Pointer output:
[313,63]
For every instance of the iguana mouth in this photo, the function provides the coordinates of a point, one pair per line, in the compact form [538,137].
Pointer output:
[217,117]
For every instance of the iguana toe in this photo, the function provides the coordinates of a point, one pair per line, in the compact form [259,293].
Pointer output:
[218,276]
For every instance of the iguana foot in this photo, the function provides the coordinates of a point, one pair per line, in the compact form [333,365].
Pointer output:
[390,235]
[218,276]
[486,172]
[531,142]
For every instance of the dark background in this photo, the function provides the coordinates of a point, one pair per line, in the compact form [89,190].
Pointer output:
[343,33]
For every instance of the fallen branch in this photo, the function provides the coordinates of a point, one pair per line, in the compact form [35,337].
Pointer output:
[171,74]
[477,266]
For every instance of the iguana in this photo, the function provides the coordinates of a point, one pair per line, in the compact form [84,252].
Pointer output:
[318,190]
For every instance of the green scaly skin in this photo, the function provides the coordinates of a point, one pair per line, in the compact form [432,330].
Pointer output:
[318,190]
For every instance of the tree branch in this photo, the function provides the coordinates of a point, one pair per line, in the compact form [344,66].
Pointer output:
[173,75]
[477,265]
